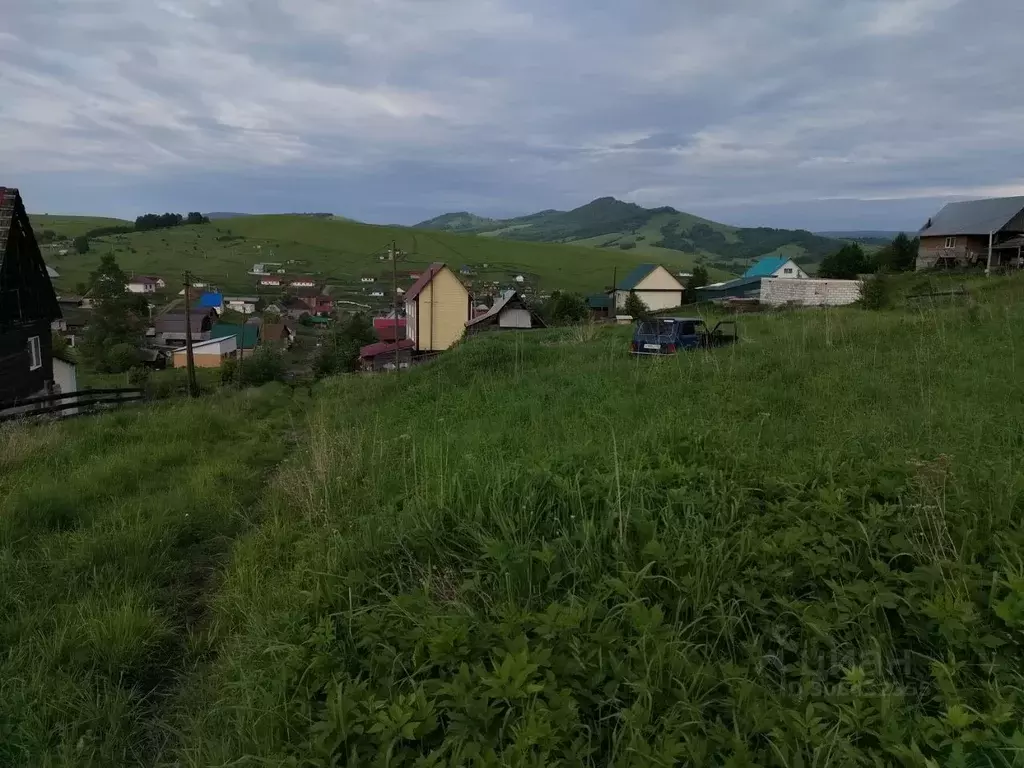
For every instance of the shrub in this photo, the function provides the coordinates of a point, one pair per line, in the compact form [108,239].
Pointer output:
[636,308]
[875,292]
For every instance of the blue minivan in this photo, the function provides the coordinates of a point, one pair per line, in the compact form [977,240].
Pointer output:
[668,335]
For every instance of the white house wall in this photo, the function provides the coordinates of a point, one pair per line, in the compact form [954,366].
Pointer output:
[514,318]
[776,291]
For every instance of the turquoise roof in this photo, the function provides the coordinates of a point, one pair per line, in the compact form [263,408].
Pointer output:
[638,273]
[246,335]
[599,301]
[766,266]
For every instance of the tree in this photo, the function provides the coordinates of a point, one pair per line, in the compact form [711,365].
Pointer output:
[339,352]
[117,323]
[81,244]
[563,308]
[698,279]
[904,253]
[194,217]
[636,308]
[845,264]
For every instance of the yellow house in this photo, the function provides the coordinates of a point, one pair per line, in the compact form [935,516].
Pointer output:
[654,284]
[437,308]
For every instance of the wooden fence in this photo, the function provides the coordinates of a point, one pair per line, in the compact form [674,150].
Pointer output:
[69,404]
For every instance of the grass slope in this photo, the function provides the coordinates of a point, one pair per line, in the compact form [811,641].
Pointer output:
[805,549]
[340,252]
[72,226]
[111,533]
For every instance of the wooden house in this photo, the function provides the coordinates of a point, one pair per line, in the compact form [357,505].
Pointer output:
[776,266]
[28,305]
[974,232]
[385,356]
[170,326]
[437,308]
[509,313]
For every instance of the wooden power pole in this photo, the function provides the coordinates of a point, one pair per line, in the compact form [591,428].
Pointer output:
[190,361]
[394,298]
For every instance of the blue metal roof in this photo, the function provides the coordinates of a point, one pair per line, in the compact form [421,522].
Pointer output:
[766,266]
[210,301]
[638,273]
[599,301]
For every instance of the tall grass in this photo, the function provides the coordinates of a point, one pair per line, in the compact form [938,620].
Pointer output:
[802,550]
[111,533]
[805,549]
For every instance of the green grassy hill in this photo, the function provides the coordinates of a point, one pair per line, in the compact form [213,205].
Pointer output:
[339,252]
[801,550]
[72,226]
[610,223]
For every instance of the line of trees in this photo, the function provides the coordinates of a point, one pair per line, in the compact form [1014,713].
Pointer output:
[850,260]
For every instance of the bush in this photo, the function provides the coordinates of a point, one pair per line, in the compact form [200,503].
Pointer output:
[266,365]
[875,293]
[627,246]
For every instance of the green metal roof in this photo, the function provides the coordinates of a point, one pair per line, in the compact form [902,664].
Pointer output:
[766,266]
[599,301]
[638,273]
[246,335]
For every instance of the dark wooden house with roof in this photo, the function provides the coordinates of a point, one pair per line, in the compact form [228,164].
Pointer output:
[986,232]
[28,305]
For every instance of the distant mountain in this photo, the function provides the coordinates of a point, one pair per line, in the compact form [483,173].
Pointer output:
[224,215]
[865,236]
[610,223]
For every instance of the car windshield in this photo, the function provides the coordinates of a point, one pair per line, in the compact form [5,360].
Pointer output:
[666,328]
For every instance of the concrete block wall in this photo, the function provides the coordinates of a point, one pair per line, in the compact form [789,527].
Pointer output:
[777,291]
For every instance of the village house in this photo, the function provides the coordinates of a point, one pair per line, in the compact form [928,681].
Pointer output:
[195,287]
[170,327]
[366,279]
[652,284]
[389,328]
[302,282]
[271,281]
[28,306]
[437,307]
[508,313]
[386,356]
[245,305]
[207,354]
[974,232]
[277,335]
[776,266]
[246,337]
[145,284]
[209,300]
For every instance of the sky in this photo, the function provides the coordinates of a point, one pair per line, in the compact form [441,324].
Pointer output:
[820,114]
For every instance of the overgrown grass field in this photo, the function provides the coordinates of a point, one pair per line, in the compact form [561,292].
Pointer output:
[803,550]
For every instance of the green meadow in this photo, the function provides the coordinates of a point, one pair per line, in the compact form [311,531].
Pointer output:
[802,550]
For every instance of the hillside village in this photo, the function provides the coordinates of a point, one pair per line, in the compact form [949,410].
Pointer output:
[418,313]
[436,509]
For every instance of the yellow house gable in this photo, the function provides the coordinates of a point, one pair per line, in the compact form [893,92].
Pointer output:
[659,279]
[440,312]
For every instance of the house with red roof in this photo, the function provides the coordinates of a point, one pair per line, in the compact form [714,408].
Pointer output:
[386,356]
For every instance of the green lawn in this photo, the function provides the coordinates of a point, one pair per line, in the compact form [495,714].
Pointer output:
[804,549]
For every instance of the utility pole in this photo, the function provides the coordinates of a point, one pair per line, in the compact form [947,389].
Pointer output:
[613,310]
[190,361]
[394,297]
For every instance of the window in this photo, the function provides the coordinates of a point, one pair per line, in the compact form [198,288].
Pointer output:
[35,354]
[787,271]
[951,242]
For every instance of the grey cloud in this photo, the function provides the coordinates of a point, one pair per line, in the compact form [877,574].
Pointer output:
[733,109]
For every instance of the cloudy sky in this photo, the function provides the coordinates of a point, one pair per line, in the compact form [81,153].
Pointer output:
[823,114]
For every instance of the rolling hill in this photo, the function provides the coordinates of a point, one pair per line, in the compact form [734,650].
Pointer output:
[341,252]
[610,223]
